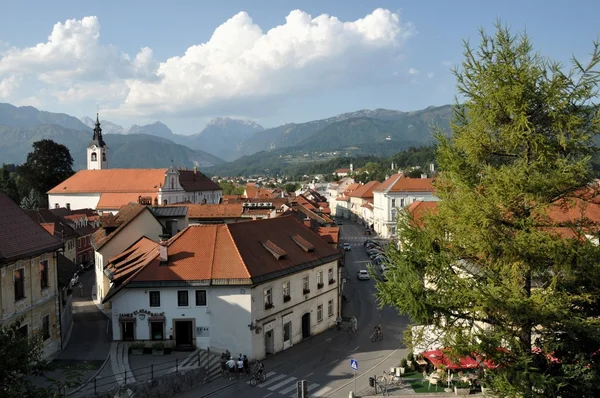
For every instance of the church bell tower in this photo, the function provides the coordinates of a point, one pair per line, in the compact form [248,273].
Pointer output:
[97,151]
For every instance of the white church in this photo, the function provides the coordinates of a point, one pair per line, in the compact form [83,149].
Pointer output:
[106,190]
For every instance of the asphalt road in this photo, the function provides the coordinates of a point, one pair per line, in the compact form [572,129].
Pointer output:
[324,360]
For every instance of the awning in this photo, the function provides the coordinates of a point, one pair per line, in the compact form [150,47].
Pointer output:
[156,318]
[126,319]
[438,357]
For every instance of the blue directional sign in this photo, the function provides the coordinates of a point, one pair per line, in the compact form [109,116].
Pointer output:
[354,364]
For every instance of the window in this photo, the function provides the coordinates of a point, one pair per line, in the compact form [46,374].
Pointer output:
[182,298]
[201,298]
[305,284]
[19,279]
[393,214]
[94,157]
[155,298]
[46,327]
[393,230]
[286,292]
[268,298]
[401,202]
[44,274]
[330,277]
[23,331]
[157,330]
[319,279]
[393,202]
[320,313]
[330,308]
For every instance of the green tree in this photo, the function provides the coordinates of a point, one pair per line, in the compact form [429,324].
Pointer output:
[22,359]
[8,182]
[492,266]
[31,201]
[47,166]
[230,189]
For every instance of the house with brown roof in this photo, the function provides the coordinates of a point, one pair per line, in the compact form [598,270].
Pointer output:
[393,195]
[28,278]
[116,233]
[359,200]
[106,190]
[253,287]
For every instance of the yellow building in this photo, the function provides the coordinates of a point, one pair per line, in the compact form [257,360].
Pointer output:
[28,275]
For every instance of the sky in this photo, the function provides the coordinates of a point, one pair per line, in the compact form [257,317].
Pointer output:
[274,62]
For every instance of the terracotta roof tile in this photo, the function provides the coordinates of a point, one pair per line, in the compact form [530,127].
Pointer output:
[212,211]
[365,191]
[48,226]
[342,170]
[112,180]
[406,184]
[387,184]
[20,235]
[420,208]
[113,224]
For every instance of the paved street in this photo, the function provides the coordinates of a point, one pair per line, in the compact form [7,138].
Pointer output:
[324,360]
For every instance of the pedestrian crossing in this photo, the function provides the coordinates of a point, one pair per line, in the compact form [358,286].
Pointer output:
[286,386]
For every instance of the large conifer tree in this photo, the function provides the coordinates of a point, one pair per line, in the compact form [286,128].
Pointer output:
[510,256]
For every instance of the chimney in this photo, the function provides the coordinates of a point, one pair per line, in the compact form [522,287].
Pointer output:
[307,222]
[68,206]
[163,252]
[423,175]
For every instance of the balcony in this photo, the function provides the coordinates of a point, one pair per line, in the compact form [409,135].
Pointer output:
[287,298]
[331,281]
[320,285]
[268,306]
[305,291]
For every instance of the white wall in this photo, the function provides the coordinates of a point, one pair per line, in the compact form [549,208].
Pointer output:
[143,225]
[76,200]
[295,308]
[382,202]
[226,315]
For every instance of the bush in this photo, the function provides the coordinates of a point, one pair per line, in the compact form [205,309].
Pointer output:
[403,363]
[158,346]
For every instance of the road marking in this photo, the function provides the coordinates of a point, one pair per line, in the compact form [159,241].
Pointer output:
[328,339]
[308,375]
[312,387]
[365,373]
[268,395]
[271,381]
[288,390]
[357,347]
[321,392]
[334,361]
[283,383]
[267,376]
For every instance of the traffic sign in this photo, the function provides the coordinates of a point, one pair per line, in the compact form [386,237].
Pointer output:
[354,364]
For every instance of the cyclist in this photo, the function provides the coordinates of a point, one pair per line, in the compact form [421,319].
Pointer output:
[377,330]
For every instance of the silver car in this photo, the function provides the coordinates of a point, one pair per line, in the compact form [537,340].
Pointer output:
[363,275]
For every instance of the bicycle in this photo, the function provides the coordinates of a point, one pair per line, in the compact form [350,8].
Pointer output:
[258,374]
[388,379]
[377,335]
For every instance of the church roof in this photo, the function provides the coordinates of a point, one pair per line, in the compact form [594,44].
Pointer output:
[112,180]
[97,138]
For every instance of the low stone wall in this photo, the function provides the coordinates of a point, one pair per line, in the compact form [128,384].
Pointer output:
[164,386]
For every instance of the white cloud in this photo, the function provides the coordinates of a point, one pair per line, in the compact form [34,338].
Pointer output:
[239,69]
[430,75]
[448,64]
[413,71]
[73,52]
[9,85]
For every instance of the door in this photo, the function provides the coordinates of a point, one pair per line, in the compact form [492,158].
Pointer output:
[306,325]
[269,342]
[183,334]
[287,335]
[127,331]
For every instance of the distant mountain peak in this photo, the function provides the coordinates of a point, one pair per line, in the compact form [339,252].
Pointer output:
[107,127]
[225,120]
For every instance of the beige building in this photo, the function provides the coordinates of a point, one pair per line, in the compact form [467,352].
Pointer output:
[28,275]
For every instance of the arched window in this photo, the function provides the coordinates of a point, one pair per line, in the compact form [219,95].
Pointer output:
[94,157]
[172,183]
[165,202]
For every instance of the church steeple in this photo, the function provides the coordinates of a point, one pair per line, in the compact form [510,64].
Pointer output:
[97,139]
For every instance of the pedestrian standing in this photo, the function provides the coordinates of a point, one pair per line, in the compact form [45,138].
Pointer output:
[80,289]
[231,366]
[240,366]
[246,365]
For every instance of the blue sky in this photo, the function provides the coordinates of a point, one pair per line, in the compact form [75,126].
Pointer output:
[396,59]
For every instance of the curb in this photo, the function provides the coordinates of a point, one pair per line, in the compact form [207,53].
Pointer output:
[91,378]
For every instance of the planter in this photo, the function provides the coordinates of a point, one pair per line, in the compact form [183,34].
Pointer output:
[158,352]
[137,351]
[402,370]
[462,391]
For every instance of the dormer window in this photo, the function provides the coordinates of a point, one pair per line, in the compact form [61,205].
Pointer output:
[94,157]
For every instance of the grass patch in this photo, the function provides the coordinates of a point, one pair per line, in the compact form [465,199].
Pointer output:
[419,387]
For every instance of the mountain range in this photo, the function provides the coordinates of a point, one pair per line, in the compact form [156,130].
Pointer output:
[248,146]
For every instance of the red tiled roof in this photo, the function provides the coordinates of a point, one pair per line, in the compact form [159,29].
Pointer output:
[230,253]
[259,193]
[419,208]
[211,211]
[365,191]
[343,170]
[48,226]
[114,200]
[112,180]
[330,234]
[384,186]
[406,184]
[20,235]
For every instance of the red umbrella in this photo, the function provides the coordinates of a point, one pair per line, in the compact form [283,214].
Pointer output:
[438,357]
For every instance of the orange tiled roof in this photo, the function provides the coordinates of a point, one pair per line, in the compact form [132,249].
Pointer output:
[114,200]
[365,191]
[343,170]
[112,180]
[419,208]
[48,226]
[330,234]
[253,192]
[221,210]
[111,225]
[387,184]
[229,253]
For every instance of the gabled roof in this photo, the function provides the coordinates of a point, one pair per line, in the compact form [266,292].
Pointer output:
[365,191]
[20,235]
[112,180]
[215,211]
[112,225]
[194,181]
[225,254]
[341,171]
[387,184]
[420,208]
[55,225]
[406,184]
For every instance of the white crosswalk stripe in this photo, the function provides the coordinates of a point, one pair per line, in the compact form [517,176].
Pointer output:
[285,385]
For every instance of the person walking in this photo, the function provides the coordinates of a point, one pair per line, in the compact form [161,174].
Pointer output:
[240,366]
[223,361]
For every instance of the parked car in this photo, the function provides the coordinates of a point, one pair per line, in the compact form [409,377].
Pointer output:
[368,241]
[339,222]
[347,246]
[382,267]
[75,279]
[363,275]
